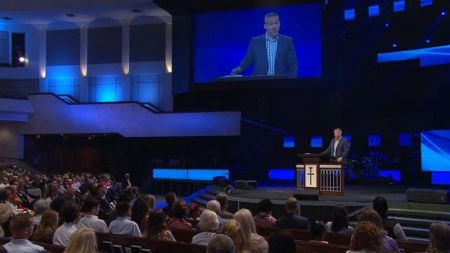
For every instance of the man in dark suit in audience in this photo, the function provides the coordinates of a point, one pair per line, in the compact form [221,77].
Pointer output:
[291,220]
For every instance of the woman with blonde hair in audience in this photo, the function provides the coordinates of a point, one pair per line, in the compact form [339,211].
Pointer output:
[366,239]
[157,226]
[257,243]
[233,229]
[47,226]
[83,240]
[150,199]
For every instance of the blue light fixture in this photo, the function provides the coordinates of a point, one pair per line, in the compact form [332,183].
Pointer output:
[374,10]
[349,14]
[399,5]
[394,45]
[443,13]
[387,25]
[425,2]
[427,41]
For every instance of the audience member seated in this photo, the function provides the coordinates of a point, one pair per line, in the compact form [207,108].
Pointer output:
[223,200]
[220,244]
[46,227]
[179,212]
[139,213]
[150,199]
[157,226]
[233,229]
[339,224]
[52,192]
[63,200]
[366,239]
[91,208]
[264,217]
[388,244]
[214,205]
[39,208]
[281,242]
[5,212]
[440,238]
[70,216]
[21,227]
[209,223]
[171,199]
[83,240]
[392,227]
[291,220]
[257,243]
[100,192]
[123,225]
[318,232]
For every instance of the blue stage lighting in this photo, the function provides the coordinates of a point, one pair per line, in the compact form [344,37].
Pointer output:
[425,2]
[427,41]
[316,141]
[387,25]
[399,5]
[349,14]
[374,140]
[374,10]
[443,13]
[281,174]
[405,139]
[289,142]
[395,175]
[440,177]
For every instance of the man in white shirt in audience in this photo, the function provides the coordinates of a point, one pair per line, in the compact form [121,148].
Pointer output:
[70,215]
[21,227]
[123,225]
[91,208]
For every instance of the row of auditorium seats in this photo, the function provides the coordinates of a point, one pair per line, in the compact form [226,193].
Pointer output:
[50,248]
[110,243]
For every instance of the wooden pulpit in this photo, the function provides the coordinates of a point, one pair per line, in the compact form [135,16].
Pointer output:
[317,173]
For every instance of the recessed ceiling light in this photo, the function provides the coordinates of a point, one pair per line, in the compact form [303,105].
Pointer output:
[71,15]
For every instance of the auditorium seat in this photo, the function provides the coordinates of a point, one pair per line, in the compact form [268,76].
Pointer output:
[412,246]
[338,239]
[183,235]
[155,245]
[316,247]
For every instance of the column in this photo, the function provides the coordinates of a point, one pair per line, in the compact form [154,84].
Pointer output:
[84,84]
[125,86]
[42,30]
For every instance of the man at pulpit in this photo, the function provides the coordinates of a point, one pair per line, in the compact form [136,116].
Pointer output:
[338,148]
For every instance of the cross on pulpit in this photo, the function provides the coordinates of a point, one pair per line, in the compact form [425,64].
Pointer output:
[310,174]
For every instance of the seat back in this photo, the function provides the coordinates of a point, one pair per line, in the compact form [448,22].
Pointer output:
[316,247]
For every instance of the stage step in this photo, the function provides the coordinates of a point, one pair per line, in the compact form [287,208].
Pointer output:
[441,216]
[416,222]
[202,196]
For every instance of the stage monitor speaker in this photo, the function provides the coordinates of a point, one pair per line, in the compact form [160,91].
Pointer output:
[427,196]
[307,195]
[245,184]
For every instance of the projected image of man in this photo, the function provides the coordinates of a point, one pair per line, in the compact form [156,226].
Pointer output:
[271,53]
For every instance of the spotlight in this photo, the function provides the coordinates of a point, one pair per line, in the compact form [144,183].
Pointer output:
[387,25]
[427,41]
[394,45]
[443,13]
[21,59]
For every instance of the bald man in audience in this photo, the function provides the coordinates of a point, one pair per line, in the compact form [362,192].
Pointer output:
[291,220]
[214,205]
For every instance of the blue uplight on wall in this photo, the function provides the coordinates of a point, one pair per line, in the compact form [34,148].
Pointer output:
[440,177]
[289,142]
[374,10]
[394,175]
[189,174]
[399,5]
[425,2]
[374,140]
[405,139]
[281,174]
[349,14]
[316,142]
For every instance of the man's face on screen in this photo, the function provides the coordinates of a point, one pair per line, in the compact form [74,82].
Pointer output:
[272,25]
